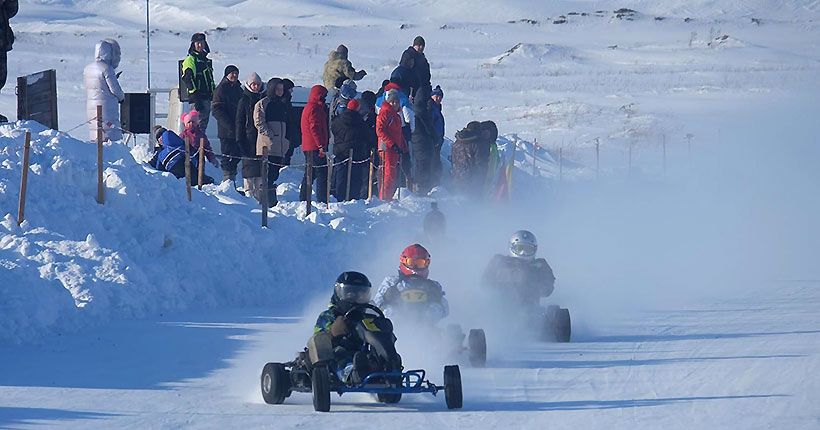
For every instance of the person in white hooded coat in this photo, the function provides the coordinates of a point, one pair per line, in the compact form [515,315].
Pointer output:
[103,88]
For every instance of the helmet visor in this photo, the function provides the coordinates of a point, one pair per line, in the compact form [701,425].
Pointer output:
[415,263]
[522,249]
[353,293]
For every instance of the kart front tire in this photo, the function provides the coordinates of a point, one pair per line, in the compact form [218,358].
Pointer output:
[275,383]
[452,387]
[320,380]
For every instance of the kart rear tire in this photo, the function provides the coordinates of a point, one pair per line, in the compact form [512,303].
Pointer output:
[275,383]
[477,347]
[320,381]
[562,325]
[452,387]
[389,398]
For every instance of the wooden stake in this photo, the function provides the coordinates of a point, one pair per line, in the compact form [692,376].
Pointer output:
[264,195]
[370,175]
[329,162]
[21,208]
[349,174]
[597,159]
[630,159]
[561,163]
[201,167]
[100,186]
[309,190]
[664,154]
[188,167]
[534,155]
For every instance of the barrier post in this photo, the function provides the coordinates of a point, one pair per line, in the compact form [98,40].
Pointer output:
[663,145]
[100,187]
[188,167]
[534,155]
[561,163]
[597,159]
[309,189]
[370,175]
[201,167]
[21,208]
[329,162]
[349,173]
[264,196]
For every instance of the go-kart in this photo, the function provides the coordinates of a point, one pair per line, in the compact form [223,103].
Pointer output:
[315,368]
[411,307]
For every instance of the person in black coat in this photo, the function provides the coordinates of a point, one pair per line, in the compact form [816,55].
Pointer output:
[420,77]
[8,9]
[367,109]
[225,102]
[246,132]
[349,132]
[294,121]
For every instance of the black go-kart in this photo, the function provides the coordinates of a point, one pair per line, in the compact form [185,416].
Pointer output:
[315,369]
[411,307]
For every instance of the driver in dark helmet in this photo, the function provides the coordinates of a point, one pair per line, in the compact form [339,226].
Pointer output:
[350,290]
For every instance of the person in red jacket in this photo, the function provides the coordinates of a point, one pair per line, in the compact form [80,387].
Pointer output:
[315,141]
[391,144]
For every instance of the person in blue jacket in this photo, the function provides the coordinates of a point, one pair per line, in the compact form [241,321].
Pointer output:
[169,156]
[438,139]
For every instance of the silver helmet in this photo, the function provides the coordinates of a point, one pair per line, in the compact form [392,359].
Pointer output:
[523,244]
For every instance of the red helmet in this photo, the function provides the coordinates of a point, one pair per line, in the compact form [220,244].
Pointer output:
[415,260]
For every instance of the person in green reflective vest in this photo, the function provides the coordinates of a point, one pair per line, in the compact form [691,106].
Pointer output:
[198,76]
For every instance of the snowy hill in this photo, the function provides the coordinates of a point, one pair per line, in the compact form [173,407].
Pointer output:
[667,166]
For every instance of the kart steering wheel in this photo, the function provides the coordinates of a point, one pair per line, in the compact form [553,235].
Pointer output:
[358,309]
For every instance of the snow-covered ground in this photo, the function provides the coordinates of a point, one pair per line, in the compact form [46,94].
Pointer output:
[691,277]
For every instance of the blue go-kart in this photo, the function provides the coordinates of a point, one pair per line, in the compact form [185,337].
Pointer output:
[315,369]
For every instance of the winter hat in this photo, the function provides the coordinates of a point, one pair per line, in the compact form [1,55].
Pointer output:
[418,41]
[198,37]
[348,89]
[437,92]
[270,87]
[342,50]
[392,86]
[353,104]
[391,95]
[158,130]
[190,116]
[254,77]
[288,84]
[231,69]
[368,98]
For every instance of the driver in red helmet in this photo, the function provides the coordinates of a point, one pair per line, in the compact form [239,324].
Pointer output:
[410,290]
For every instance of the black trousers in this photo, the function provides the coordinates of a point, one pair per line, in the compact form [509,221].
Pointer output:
[319,177]
[230,163]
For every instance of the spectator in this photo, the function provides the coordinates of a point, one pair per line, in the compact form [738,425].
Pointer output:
[391,144]
[196,135]
[226,100]
[198,76]
[246,133]
[315,142]
[380,92]
[271,116]
[294,121]
[103,89]
[438,136]
[367,109]
[419,67]
[8,9]
[169,156]
[349,132]
[467,177]
[338,66]
[408,124]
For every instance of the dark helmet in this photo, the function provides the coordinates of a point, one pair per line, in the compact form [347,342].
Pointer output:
[352,287]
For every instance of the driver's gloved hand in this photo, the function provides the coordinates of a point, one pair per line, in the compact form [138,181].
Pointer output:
[339,327]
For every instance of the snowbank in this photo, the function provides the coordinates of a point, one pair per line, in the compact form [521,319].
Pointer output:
[149,250]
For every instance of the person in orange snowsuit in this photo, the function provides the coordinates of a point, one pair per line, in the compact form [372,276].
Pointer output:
[391,144]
